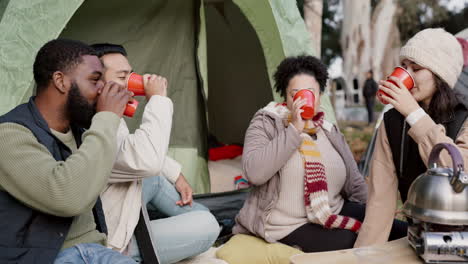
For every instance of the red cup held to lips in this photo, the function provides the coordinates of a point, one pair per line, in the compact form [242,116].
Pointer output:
[309,107]
[405,77]
[131,107]
[135,84]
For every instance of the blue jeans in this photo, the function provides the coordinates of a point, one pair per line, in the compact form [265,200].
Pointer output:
[91,253]
[188,231]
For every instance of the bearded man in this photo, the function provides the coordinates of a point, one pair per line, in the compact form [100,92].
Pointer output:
[56,155]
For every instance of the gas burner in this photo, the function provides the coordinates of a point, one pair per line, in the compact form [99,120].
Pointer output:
[439,247]
[437,210]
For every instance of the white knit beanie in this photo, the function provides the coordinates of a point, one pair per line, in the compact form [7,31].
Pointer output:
[436,50]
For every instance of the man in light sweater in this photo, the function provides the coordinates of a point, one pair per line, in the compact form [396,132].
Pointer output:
[52,170]
[143,171]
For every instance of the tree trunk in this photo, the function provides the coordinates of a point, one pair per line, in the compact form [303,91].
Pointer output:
[356,47]
[369,42]
[313,20]
[385,39]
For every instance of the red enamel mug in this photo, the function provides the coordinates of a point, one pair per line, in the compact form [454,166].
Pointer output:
[135,84]
[309,107]
[405,77]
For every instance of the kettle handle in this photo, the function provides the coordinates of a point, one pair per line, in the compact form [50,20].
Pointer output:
[454,153]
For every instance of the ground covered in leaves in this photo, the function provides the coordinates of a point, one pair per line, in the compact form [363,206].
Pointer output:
[358,135]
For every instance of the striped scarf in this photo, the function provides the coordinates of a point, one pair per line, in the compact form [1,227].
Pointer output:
[315,181]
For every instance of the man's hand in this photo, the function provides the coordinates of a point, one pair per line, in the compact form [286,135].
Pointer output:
[113,98]
[183,187]
[154,85]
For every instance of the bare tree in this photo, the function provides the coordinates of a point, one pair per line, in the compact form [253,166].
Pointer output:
[313,19]
[356,46]
[385,38]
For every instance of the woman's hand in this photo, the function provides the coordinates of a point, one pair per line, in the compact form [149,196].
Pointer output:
[399,96]
[296,111]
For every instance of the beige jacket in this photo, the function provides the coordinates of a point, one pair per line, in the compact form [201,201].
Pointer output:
[268,146]
[141,154]
[383,182]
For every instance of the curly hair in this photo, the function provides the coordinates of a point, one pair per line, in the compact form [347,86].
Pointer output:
[303,64]
[58,55]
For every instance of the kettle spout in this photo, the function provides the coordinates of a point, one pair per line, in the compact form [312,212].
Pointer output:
[459,181]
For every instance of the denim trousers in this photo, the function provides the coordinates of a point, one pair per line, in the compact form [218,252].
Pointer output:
[186,232]
[90,254]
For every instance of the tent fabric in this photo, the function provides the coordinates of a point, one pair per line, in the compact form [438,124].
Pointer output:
[288,38]
[291,27]
[159,38]
[3,5]
[296,41]
[219,57]
[26,26]
[241,86]
[259,14]
[224,206]
[202,51]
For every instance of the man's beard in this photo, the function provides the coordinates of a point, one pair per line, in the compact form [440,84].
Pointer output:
[80,111]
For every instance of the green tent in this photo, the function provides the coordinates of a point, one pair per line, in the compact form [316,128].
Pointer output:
[218,55]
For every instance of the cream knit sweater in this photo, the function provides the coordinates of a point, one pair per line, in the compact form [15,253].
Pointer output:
[289,213]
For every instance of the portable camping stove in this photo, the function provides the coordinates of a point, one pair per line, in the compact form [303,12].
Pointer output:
[437,246]
[437,210]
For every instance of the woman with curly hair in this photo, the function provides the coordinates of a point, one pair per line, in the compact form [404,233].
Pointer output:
[308,192]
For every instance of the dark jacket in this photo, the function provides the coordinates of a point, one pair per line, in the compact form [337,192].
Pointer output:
[370,89]
[408,162]
[30,236]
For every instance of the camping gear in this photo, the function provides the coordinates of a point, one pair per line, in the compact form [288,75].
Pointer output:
[131,108]
[224,152]
[217,55]
[405,77]
[437,206]
[135,84]
[145,238]
[241,182]
[309,107]
[222,172]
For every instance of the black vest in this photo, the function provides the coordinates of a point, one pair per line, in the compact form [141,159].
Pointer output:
[27,235]
[405,152]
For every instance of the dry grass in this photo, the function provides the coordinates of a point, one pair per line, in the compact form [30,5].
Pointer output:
[358,135]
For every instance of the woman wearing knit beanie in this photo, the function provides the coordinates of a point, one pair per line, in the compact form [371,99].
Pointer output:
[422,117]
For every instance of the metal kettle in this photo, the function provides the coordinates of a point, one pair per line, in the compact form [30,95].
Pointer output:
[439,195]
